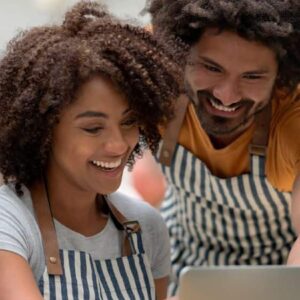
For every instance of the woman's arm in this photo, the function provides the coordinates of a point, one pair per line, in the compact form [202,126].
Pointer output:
[296,204]
[16,278]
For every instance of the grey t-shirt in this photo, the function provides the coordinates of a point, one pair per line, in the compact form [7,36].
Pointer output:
[19,232]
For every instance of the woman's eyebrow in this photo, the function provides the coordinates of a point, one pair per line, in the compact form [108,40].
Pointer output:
[91,114]
[98,114]
[126,111]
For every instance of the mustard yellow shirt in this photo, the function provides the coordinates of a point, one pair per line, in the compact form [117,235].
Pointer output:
[283,153]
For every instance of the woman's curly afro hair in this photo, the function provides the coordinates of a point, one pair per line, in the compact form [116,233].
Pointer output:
[275,23]
[44,67]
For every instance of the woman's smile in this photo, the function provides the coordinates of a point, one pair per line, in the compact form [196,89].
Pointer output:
[112,169]
[98,131]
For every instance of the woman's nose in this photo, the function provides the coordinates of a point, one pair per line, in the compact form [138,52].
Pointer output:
[116,143]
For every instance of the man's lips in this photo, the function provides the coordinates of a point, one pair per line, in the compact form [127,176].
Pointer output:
[217,109]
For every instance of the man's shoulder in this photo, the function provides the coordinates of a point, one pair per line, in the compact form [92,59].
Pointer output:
[286,99]
[286,111]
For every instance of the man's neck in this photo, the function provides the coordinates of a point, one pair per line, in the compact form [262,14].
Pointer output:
[220,142]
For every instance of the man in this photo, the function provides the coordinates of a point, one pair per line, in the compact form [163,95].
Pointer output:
[232,166]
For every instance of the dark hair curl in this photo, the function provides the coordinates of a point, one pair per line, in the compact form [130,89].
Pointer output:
[275,23]
[44,67]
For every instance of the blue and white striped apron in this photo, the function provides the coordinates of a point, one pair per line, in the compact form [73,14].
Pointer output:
[215,221]
[75,275]
[84,278]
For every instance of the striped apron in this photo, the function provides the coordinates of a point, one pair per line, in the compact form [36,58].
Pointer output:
[223,221]
[76,275]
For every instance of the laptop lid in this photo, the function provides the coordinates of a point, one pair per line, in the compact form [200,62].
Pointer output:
[240,283]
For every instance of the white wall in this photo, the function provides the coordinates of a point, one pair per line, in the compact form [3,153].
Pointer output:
[16,15]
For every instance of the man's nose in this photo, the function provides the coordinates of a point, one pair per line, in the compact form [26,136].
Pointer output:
[227,91]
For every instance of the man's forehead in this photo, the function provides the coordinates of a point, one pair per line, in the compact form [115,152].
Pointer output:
[214,42]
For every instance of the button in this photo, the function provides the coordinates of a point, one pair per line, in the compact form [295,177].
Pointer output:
[53,260]
[166,154]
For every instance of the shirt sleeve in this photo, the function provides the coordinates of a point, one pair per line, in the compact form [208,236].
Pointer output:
[160,260]
[290,138]
[13,235]
[19,232]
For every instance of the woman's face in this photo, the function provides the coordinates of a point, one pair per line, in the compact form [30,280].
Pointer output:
[93,140]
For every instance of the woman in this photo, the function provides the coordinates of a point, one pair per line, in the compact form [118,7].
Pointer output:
[78,103]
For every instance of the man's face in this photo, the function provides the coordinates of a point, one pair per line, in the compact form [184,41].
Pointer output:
[229,79]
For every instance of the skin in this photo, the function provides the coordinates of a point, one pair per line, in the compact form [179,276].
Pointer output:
[294,256]
[98,126]
[89,130]
[233,73]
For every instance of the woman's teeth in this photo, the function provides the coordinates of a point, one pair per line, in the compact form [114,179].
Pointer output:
[107,165]
[222,107]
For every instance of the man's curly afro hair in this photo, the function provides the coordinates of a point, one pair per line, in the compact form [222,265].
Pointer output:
[44,67]
[275,23]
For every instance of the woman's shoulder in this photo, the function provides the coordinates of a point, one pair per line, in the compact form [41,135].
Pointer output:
[19,232]
[17,216]
[16,211]
[10,200]
[154,231]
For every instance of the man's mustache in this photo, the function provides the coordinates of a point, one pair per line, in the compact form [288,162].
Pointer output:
[204,94]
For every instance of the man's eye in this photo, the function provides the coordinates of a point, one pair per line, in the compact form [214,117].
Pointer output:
[252,76]
[93,129]
[211,68]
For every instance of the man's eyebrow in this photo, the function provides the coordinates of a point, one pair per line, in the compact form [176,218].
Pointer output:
[97,114]
[210,61]
[261,71]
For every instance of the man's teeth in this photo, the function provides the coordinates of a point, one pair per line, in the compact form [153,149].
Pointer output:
[222,107]
[107,165]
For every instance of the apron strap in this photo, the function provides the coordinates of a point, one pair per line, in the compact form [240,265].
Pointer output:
[45,220]
[259,143]
[122,223]
[46,225]
[171,134]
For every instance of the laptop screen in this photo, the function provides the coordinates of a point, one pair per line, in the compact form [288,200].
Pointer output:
[240,283]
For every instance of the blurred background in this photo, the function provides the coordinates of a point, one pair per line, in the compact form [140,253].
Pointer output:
[17,15]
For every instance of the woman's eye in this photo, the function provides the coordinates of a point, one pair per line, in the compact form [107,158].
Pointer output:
[129,123]
[93,130]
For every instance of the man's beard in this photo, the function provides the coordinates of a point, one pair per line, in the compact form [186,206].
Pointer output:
[219,125]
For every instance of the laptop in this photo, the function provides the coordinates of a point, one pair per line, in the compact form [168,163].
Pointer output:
[240,283]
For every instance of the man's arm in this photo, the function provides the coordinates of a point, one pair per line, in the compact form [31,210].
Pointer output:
[294,256]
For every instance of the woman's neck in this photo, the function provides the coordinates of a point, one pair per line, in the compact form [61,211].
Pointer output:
[76,209]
